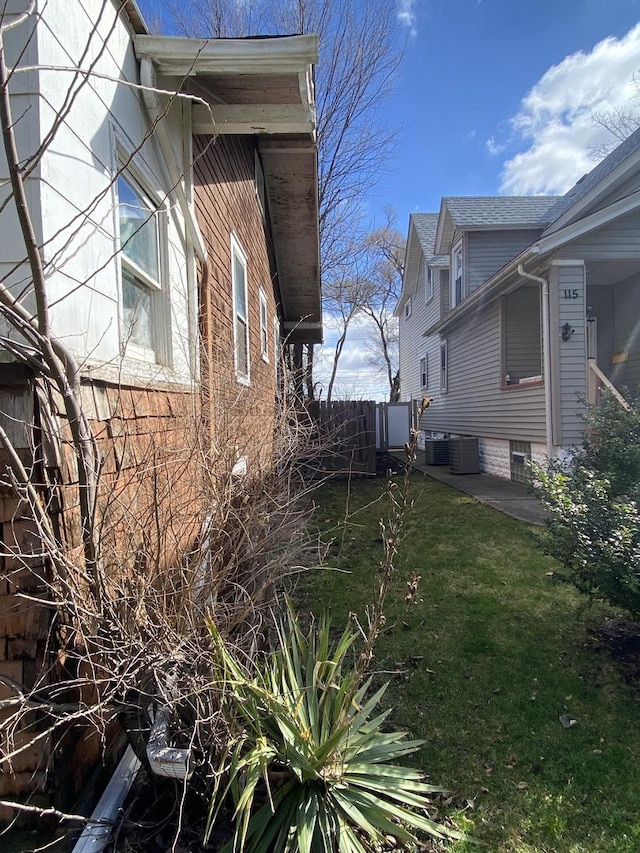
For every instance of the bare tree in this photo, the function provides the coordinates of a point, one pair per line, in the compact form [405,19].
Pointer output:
[348,294]
[360,53]
[619,122]
[129,523]
[385,252]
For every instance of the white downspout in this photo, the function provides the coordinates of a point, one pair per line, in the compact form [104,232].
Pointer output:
[546,350]
[152,103]
[194,235]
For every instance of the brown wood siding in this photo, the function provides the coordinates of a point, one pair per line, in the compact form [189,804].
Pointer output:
[474,403]
[488,251]
[226,203]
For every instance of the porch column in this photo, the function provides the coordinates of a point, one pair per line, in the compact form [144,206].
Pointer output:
[567,291]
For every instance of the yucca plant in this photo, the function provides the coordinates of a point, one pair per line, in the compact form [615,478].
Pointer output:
[311,769]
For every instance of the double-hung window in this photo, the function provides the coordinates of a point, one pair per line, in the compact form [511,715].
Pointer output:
[240,311]
[140,227]
[457,275]
[424,371]
[444,366]
[429,284]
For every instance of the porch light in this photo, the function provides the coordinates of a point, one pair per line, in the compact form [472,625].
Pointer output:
[566,331]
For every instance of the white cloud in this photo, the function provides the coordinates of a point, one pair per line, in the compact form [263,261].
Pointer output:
[356,379]
[494,147]
[556,116]
[406,15]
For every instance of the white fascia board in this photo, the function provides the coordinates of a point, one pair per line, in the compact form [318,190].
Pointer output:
[440,230]
[590,223]
[178,56]
[628,166]
[243,119]
[410,270]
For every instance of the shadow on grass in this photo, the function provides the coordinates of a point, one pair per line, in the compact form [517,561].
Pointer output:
[484,663]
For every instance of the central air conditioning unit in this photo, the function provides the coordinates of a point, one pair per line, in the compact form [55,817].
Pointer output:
[463,456]
[436,451]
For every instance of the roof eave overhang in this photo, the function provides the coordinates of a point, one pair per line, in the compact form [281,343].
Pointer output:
[286,130]
[593,222]
[440,231]
[605,186]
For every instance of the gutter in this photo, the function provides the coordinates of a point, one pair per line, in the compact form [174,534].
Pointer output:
[482,295]
[546,351]
[97,833]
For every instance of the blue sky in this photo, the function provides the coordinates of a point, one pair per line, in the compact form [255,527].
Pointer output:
[493,97]
[483,79]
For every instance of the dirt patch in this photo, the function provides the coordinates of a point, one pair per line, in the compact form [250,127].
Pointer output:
[386,463]
[621,639]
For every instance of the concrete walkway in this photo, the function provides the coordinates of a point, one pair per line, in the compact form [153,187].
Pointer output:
[511,498]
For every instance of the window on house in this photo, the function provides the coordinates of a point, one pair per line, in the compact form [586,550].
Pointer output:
[407,308]
[264,333]
[457,275]
[444,366]
[424,372]
[240,311]
[140,229]
[430,283]
[521,336]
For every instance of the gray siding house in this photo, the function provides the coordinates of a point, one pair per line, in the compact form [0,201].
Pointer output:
[514,311]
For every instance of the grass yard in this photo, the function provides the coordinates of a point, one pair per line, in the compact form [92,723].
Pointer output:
[484,666]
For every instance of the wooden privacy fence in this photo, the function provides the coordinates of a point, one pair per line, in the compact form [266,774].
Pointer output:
[344,435]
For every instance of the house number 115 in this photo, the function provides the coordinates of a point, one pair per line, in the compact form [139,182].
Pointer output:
[570,294]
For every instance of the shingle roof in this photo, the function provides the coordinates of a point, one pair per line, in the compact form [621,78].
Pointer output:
[500,211]
[588,182]
[426,225]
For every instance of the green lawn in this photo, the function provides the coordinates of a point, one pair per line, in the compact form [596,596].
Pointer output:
[483,667]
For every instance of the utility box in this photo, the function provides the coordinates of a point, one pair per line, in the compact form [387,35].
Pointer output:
[436,451]
[463,456]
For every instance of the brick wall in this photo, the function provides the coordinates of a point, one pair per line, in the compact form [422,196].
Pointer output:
[151,508]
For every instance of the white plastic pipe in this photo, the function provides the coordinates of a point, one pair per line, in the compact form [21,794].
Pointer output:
[546,349]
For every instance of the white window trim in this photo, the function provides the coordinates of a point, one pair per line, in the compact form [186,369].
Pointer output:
[237,251]
[444,366]
[424,371]
[264,326]
[428,284]
[407,309]
[456,250]
[160,351]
